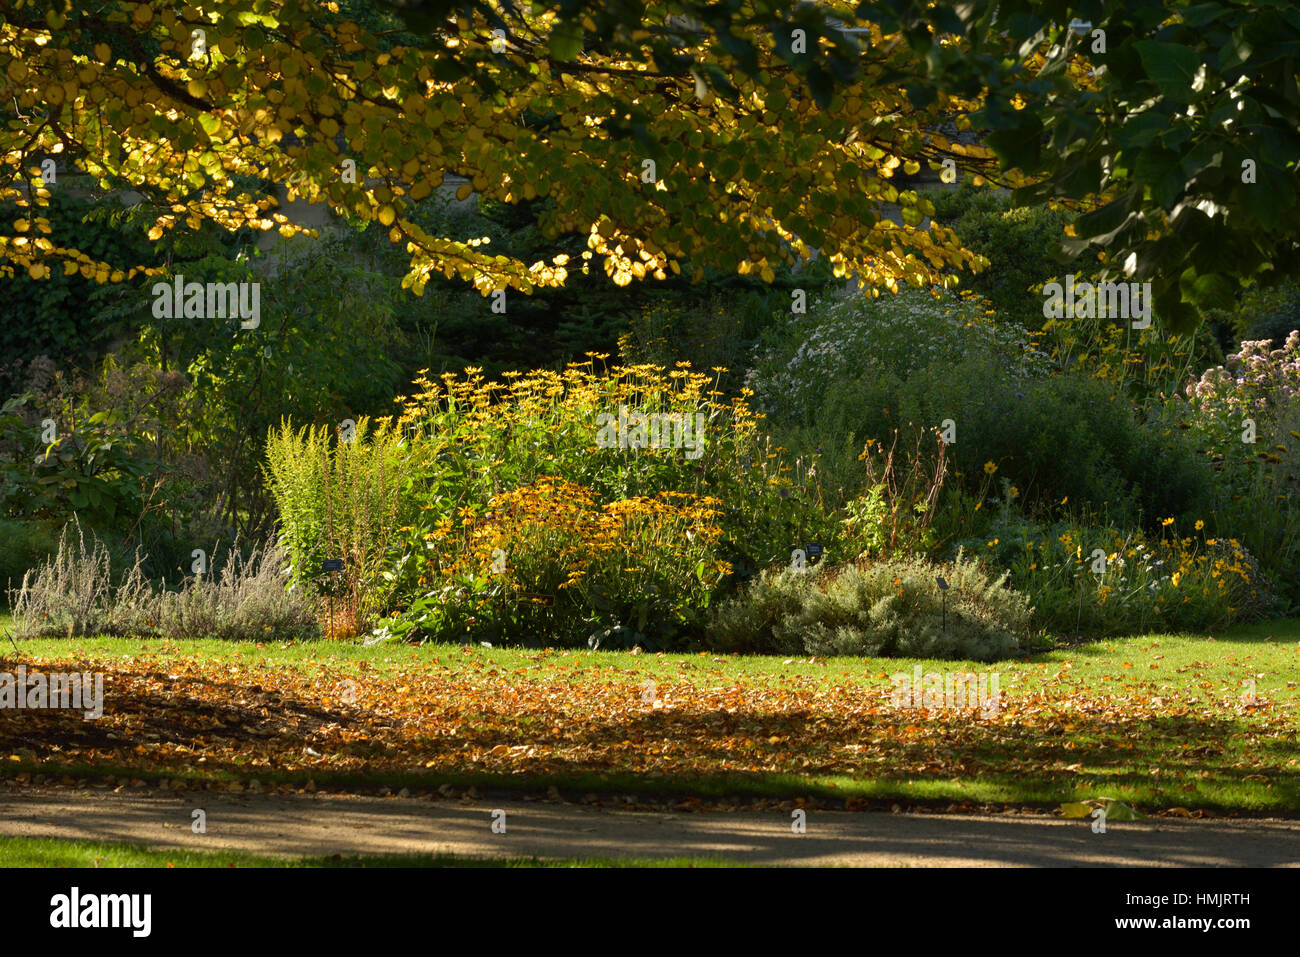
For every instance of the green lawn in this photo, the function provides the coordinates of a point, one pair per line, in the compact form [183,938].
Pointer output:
[1269,652]
[1155,720]
[52,852]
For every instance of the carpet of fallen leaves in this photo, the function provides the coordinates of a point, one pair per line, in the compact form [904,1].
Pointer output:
[192,716]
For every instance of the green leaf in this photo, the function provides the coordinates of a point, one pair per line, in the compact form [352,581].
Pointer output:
[1171,67]
[566,41]
[1018,146]
[1115,811]
[1214,290]
[1161,171]
[1103,223]
[1141,129]
[1200,14]
[1269,199]
[1175,315]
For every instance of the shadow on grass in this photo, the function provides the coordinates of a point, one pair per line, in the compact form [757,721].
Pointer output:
[204,729]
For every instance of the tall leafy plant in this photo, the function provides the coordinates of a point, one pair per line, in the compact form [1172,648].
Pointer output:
[340,499]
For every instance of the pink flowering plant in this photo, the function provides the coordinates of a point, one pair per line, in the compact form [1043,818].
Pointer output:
[1247,416]
[1256,380]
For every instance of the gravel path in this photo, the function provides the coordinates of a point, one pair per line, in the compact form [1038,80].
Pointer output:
[329,824]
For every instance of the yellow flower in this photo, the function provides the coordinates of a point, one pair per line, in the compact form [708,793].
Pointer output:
[1199,525]
[1013,491]
[1166,521]
[989,467]
[1064,500]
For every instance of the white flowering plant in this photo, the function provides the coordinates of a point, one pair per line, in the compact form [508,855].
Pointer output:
[862,337]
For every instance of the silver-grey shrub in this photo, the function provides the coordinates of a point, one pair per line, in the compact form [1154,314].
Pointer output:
[75,593]
[884,608]
[247,600]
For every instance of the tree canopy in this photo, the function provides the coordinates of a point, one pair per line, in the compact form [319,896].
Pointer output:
[739,135]
[1176,125]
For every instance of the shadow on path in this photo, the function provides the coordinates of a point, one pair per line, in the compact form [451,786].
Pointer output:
[321,825]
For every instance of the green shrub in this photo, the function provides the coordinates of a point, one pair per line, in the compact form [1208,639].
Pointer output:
[24,544]
[325,350]
[123,461]
[1060,438]
[1019,242]
[892,608]
[715,333]
[1092,581]
[952,204]
[1267,313]
[93,468]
